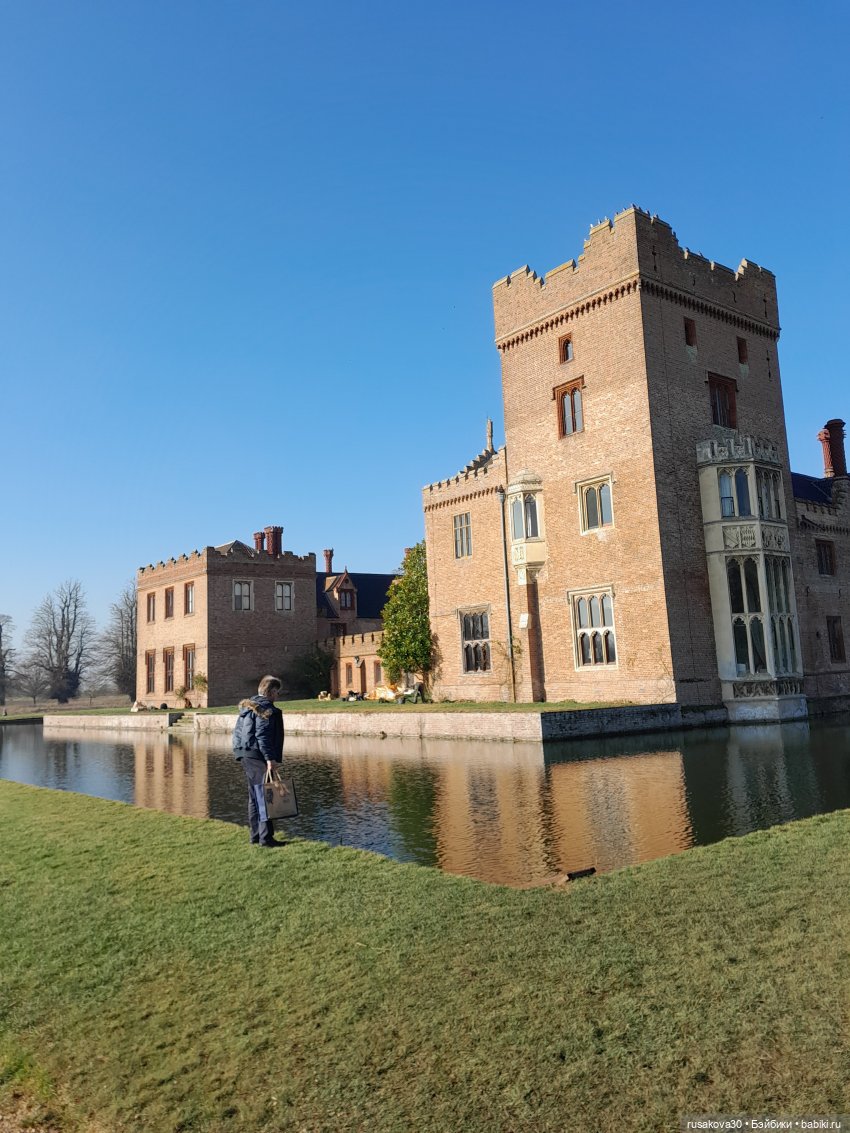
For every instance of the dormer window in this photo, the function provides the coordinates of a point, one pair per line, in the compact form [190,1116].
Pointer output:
[346,599]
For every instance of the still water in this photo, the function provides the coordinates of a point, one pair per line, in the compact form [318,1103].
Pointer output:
[517,814]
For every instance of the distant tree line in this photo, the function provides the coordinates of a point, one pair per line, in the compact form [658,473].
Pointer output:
[63,655]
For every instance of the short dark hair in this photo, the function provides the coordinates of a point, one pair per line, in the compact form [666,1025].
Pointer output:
[268,686]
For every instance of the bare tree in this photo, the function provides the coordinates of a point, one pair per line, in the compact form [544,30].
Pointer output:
[7,656]
[61,640]
[30,680]
[116,646]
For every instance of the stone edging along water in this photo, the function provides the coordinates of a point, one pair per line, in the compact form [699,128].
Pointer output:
[504,726]
[137,722]
[496,726]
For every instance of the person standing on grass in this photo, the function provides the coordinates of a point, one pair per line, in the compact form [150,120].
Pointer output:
[258,745]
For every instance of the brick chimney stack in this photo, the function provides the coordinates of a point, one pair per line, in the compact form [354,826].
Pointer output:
[259,542]
[329,560]
[831,437]
[274,541]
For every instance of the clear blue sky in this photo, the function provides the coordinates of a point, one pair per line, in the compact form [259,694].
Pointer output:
[246,249]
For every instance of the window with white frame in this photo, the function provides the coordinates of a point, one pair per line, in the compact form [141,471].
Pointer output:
[595,636]
[463,535]
[734,487]
[475,640]
[525,522]
[283,595]
[595,504]
[747,615]
[243,596]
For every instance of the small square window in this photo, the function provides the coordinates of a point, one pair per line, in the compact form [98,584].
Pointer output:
[690,333]
[242,596]
[742,351]
[565,348]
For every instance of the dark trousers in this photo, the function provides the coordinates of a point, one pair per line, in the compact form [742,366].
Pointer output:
[262,827]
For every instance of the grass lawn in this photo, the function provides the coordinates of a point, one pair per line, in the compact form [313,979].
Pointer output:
[160,974]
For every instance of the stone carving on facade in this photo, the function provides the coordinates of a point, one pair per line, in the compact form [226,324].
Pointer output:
[739,538]
[774,538]
[784,686]
[736,449]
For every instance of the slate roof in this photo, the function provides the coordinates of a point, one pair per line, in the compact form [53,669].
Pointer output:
[371,592]
[813,489]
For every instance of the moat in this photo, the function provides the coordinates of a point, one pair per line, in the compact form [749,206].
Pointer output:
[508,813]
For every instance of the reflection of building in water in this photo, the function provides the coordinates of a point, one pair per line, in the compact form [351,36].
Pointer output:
[610,812]
[511,819]
[171,776]
[769,777]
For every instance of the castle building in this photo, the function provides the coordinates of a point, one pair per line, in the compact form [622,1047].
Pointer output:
[640,536]
[212,623]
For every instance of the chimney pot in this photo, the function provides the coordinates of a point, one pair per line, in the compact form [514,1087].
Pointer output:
[259,541]
[831,437]
[329,560]
[274,541]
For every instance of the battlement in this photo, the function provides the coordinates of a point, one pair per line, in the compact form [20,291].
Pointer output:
[155,568]
[489,463]
[616,258]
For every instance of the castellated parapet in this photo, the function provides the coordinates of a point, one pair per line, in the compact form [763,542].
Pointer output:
[486,474]
[636,251]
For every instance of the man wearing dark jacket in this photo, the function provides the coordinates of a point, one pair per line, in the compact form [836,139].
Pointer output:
[258,745]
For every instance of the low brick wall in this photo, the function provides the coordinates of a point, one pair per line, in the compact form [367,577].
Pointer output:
[133,722]
[495,726]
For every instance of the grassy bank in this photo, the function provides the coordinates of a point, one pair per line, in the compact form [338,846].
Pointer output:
[159,973]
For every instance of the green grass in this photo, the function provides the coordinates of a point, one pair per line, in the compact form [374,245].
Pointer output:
[160,974]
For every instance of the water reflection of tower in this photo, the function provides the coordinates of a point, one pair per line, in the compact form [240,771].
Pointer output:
[614,811]
[171,776]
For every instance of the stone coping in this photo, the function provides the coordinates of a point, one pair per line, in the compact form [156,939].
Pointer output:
[128,722]
[495,726]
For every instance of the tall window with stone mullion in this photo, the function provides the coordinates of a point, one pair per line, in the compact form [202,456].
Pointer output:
[475,629]
[593,617]
[463,535]
[782,620]
[524,523]
[747,615]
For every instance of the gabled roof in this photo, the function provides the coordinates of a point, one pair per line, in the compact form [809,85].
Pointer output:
[238,546]
[813,489]
[371,592]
